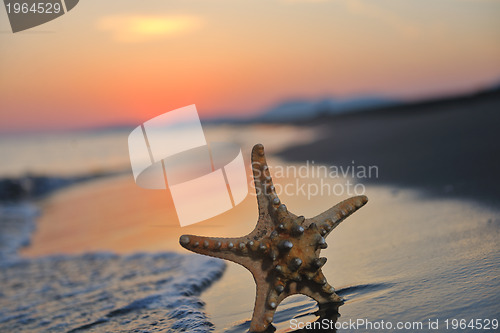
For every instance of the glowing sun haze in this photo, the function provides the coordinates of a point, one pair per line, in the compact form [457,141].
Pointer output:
[123,62]
[131,28]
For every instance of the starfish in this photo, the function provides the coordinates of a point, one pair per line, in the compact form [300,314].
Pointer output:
[282,252]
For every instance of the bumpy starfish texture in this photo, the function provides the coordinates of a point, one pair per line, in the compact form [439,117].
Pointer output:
[282,252]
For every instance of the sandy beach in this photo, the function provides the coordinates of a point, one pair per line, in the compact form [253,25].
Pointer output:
[403,256]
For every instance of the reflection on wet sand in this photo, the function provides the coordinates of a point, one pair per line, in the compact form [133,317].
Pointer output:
[327,314]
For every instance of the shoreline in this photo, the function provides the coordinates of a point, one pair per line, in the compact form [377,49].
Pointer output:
[383,252]
[357,287]
[97,290]
[446,149]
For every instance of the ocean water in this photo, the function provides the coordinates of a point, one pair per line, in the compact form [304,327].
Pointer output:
[83,153]
[98,292]
[17,223]
[63,154]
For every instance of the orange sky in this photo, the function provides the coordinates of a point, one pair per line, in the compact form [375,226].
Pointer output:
[115,62]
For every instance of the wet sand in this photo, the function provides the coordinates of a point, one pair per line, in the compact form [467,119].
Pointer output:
[408,255]
[114,214]
[402,257]
[446,147]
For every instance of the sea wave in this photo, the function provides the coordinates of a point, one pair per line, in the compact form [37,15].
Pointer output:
[142,292]
[29,187]
[107,292]
[17,222]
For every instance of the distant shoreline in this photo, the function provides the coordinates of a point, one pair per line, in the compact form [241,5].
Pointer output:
[445,147]
[33,187]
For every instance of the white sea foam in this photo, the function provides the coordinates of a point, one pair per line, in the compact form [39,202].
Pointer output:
[99,291]
[17,222]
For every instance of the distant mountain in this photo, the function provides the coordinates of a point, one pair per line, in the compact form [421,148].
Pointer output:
[303,109]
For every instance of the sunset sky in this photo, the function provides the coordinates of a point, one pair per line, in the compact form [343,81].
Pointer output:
[123,62]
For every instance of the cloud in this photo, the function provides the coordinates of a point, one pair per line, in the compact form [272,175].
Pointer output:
[137,28]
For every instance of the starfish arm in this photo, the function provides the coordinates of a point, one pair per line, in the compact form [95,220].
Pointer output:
[262,179]
[262,313]
[316,288]
[264,187]
[329,220]
[320,296]
[233,249]
[270,206]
